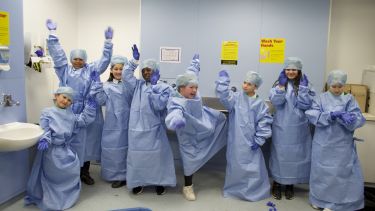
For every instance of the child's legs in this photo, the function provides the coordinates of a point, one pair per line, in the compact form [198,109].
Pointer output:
[188,180]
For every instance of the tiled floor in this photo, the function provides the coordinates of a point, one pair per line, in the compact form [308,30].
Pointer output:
[208,187]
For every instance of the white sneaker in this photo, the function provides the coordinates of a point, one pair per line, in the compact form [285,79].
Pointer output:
[188,193]
[315,207]
[326,209]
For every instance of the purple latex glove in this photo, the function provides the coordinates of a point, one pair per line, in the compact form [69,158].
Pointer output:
[177,123]
[195,64]
[42,144]
[336,114]
[270,204]
[255,146]
[348,118]
[91,102]
[51,25]
[304,81]
[108,33]
[39,52]
[196,56]
[155,77]
[135,52]
[282,78]
[95,76]
[224,73]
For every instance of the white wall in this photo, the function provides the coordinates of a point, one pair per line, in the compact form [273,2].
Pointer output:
[352,31]
[122,15]
[80,24]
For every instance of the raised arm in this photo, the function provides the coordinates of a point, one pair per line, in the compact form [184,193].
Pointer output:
[222,89]
[101,65]
[57,53]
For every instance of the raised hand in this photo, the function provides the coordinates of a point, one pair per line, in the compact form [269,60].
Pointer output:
[108,33]
[51,25]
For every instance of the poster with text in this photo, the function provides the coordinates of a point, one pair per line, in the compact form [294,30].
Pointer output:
[272,50]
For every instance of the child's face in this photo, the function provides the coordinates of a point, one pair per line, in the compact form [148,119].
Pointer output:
[117,71]
[249,88]
[336,89]
[78,63]
[146,74]
[62,101]
[291,73]
[189,91]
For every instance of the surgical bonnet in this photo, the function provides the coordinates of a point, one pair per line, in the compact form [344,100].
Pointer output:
[253,78]
[293,63]
[186,79]
[117,59]
[150,63]
[66,90]
[78,53]
[336,77]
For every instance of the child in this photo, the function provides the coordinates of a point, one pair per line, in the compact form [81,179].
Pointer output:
[336,180]
[77,76]
[201,131]
[150,159]
[54,182]
[291,137]
[115,130]
[249,127]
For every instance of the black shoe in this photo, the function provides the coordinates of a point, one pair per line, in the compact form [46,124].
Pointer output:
[137,190]
[276,191]
[289,192]
[85,178]
[118,184]
[160,190]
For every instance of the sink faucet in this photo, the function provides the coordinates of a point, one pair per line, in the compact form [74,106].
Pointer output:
[8,101]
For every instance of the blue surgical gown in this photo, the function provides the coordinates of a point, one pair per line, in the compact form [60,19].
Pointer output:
[54,182]
[336,180]
[204,134]
[115,130]
[150,159]
[249,123]
[291,136]
[87,142]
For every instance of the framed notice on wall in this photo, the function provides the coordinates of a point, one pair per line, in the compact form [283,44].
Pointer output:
[170,54]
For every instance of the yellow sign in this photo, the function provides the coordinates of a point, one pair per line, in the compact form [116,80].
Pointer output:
[272,50]
[229,52]
[4,28]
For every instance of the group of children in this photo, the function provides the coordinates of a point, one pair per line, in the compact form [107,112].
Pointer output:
[135,150]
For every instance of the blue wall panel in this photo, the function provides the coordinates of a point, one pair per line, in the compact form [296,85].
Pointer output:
[202,25]
[14,166]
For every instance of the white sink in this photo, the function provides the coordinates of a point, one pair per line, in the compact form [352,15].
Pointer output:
[18,136]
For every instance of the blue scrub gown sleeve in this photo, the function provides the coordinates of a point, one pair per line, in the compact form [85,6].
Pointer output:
[98,92]
[175,111]
[159,96]
[318,117]
[102,64]
[58,56]
[305,97]
[277,96]
[225,94]
[86,117]
[128,77]
[263,127]
[353,108]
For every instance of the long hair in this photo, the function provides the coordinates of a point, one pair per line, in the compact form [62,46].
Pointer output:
[295,83]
